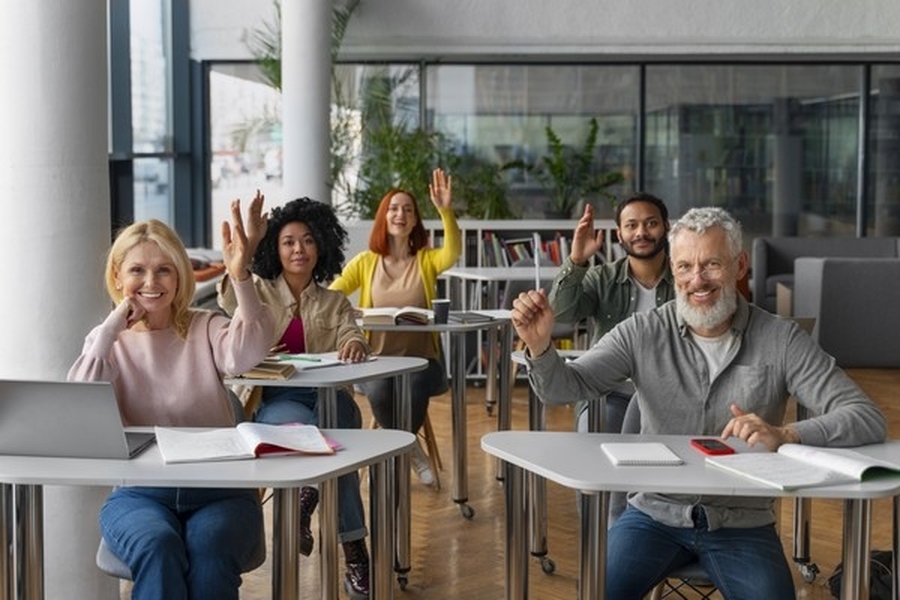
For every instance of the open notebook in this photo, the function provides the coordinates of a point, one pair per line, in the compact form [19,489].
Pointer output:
[65,418]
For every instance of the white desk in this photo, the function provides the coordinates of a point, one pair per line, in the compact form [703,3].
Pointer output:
[500,327]
[328,380]
[575,460]
[285,474]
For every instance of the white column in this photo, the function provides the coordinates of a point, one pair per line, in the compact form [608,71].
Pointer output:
[54,229]
[306,98]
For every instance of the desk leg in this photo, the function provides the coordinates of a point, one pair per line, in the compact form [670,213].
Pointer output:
[381,520]
[857,531]
[7,567]
[895,546]
[504,388]
[328,517]
[285,545]
[516,509]
[592,558]
[458,423]
[403,540]
[537,486]
[490,372]
[27,542]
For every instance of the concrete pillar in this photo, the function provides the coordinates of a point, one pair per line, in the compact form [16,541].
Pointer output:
[787,160]
[54,229]
[887,158]
[306,98]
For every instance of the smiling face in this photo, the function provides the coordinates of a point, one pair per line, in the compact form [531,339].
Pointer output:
[706,274]
[297,250]
[149,277]
[401,215]
[642,230]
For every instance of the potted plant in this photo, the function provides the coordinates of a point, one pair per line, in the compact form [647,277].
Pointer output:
[569,175]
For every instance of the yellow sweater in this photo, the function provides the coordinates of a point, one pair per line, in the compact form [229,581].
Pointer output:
[358,273]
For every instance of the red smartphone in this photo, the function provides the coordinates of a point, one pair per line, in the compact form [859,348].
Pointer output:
[711,446]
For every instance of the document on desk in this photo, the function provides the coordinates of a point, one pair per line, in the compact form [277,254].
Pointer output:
[247,440]
[796,466]
[640,454]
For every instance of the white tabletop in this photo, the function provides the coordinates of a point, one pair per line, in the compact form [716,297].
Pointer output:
[361,447]
[341,375]
[501,273]
[576,461]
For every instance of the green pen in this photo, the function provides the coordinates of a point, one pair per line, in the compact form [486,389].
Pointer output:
[299,357]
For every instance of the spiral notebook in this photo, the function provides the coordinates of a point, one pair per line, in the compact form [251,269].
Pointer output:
[640,454]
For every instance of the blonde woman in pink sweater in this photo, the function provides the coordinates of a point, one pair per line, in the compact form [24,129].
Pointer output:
[166,362]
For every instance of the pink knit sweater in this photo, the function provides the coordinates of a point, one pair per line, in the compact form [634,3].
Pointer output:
[162,379]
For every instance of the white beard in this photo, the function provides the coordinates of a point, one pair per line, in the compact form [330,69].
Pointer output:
[707,318]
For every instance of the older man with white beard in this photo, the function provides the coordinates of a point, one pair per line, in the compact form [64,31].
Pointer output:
[707,363]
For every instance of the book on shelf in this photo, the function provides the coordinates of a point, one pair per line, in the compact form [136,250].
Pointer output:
[271,368]
[247,440]
[796,466]
[407,315]
[640,454]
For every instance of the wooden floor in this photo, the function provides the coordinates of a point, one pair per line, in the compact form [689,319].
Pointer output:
[455,558]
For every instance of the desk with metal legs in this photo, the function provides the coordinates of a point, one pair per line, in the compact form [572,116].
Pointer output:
[328,380]
[500,329]
[574,461]
[22,524]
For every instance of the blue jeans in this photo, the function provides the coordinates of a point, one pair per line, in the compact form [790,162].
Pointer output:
[183,543]
[742,563]
[423,385]
[301,405]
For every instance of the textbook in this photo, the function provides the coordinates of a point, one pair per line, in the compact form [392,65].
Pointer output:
[271,368]
[304,362]
[796,466]
[408,315]
[247,440]
[640,454]
[469,316]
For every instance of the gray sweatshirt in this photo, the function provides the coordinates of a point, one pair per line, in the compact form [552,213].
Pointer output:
[772,360]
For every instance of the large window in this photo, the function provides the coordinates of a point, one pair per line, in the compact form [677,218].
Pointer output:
[151,109]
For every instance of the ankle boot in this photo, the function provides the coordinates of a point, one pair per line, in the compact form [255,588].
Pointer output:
[356,578]
[309,500]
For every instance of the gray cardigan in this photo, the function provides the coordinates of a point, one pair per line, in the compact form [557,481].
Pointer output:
[772,360]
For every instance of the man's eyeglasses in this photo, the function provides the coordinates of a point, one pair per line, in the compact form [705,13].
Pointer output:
[711,270]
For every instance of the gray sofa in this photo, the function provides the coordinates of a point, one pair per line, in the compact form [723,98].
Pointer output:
[773,259]
[856,305]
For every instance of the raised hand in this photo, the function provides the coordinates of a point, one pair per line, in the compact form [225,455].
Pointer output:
[236,245]
[533,320]
[585,240]
[441,189]
[257,222]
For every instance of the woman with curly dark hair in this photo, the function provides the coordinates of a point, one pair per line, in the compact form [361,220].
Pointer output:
[303,248]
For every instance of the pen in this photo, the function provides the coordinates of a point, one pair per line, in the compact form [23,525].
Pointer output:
[299,357]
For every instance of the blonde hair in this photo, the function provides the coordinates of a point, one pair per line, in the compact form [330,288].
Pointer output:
[168,241]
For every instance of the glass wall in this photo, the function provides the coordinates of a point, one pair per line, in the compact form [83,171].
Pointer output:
[245,132]
[883,185]
[776,145]
[151,109]
[503,114]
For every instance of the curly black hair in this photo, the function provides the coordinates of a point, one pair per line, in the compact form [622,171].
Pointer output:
[326,229]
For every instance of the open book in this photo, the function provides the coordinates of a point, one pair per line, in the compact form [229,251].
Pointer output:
[247,440]
[408,315]
[797,466]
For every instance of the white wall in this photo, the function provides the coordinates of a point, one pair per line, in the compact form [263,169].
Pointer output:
[578,28]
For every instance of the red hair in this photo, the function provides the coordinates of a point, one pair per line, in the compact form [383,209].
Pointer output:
[379,240]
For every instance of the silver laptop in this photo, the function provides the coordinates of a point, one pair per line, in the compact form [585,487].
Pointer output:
[65,418]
